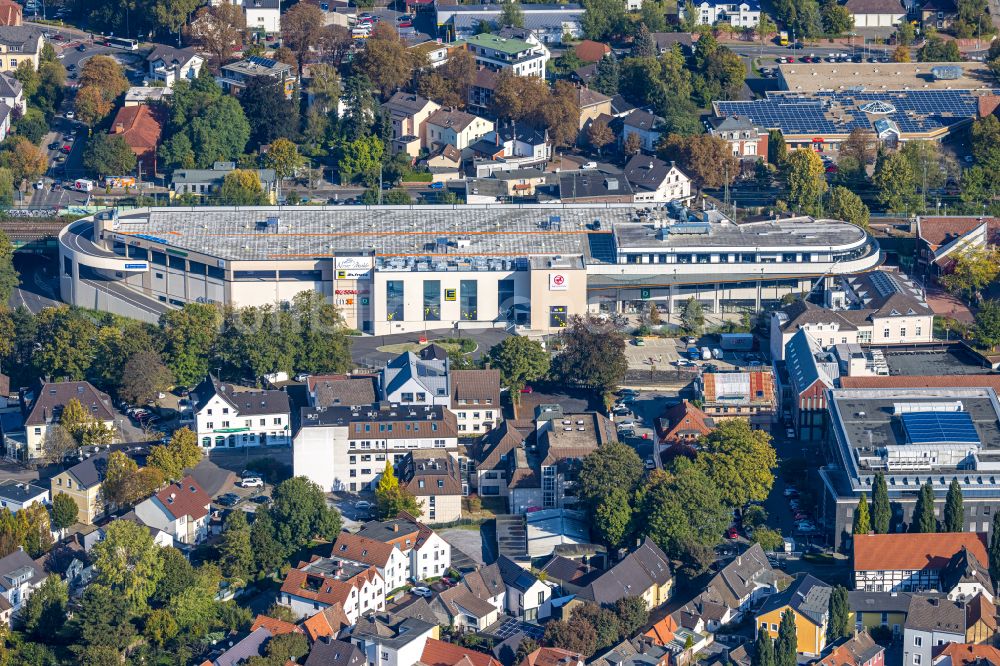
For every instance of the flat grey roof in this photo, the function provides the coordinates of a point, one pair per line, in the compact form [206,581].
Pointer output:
[322,231]
[795,232]
[866,415]
[955,361]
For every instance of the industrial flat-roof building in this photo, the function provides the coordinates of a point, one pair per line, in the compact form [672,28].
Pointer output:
[913,436]
[397,269]
[821,103]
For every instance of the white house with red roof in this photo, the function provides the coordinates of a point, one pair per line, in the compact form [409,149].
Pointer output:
[387,558]
[428,554]
[181,510]
[323,582]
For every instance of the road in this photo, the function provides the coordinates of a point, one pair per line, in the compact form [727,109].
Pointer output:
[39,286]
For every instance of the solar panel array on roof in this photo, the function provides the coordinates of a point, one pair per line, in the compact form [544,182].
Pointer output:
[263,62]
[940,428]
[839,112]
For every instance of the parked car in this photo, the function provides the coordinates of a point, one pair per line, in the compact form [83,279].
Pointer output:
[421,591]
[363,505]
[789,433]
[732,534]
[227,500]
[527,389]
[251,482]
[261,499]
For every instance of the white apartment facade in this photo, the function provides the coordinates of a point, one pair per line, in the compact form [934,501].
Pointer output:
[738,14]
[228,416]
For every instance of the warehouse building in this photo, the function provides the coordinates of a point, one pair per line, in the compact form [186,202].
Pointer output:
[396,269]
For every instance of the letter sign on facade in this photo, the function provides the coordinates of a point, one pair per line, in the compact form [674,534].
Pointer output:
[558,282]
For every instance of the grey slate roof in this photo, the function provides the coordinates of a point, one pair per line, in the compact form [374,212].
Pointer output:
[801,360]
[9,86]
[432,375]
[935,613]
[91,471]
[636,573]
[212,478]
[171,55]
[485,582]
[964,567]
[19,492]
[808,596]
[16,564]
[643,120]
[646,172]
[389,630]
[860,601]
[28,38]
[515,575]
[246,402]
[50,398]
[591,183]
[331,652]
[405,103]
[353,391]
[249,646]
[738,579]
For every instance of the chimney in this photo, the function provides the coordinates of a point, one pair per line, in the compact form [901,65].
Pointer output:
[119,128]
[395,527]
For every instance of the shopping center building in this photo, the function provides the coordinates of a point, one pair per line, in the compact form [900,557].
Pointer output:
[395,269]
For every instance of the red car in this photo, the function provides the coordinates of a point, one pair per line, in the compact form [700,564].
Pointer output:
[731,533]
[791,60]
[527,389]
[66,148]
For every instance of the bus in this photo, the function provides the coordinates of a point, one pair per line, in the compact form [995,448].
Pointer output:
[122,43]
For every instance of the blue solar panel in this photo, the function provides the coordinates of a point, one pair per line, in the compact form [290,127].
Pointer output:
[839,112]
[940,428]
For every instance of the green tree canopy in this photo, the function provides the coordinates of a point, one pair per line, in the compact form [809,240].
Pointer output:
[739,461]
[862,520]
[840,615]
[300,512]
[987,327]
[128,563]
[881,510]
[391,497]
[923,513]
[64,511]
[593,355]
[520,360]
[806,180]
[954,513]
[843,204]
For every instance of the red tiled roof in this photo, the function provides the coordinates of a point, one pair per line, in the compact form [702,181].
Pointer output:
[591,51]
[139,125]
[185,498]
[893,552]
[967,653]
[324,589]
[275,626]
[327,622]
[923,381]
[551,656]
[937,231]
[361,549]
[684,416]
[10,13]
[663,631]
[439,653]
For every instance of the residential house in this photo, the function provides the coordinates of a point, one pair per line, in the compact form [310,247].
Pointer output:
[238,648]
[475,400]
[549,22]
[653,180]
[444,163]
[464,609]
[82,482]
[43,405]
[747,140]
[16,495]
[980,620]
[12,104]
[487,584]
[141,126]
[439,653]
[546,479]
[809,599]
[593,105]
[683,423]
[811,372]
[966,577]
[455,128]
[333,652]
[750,395]
[275,626]
[263,17]
[744,14]
[20,577]
[235,76]
[160,537]
[859,650]
[590,51]
[640,651]
[11,13]
[323,582]
[666,41]
[519,56]
[180,509]
[490,456]
[232,416]
[551,656]
[931,622]
[938,13]
[387,558]
[876,13]
[481,91]
[963,654]
[429,555]
[744,581]
[528,597]
[644,125]
[137,95]
[208,182]
[434,52]
[409,113]
[644,572]
[878,610]
[20,43]
[910,562]
[170,65]
[326,623]
[594,186]
[514,146]
[388,640]
[434,479]
[883,307]
[941,240]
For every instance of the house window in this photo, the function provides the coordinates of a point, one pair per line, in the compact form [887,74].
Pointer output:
[277,420]
[885,333]
[916,660]
[918,641]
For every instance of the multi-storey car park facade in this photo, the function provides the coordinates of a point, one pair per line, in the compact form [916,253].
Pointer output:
[394,269]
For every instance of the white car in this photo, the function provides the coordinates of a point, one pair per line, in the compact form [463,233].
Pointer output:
[627,423]
[789,433]
[251,482]
[61,56]
[70,115]
[40,184]
[422,592]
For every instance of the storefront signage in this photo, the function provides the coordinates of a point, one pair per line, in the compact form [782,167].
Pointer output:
[558,282]
[137,266]
[346,291]
[450,294]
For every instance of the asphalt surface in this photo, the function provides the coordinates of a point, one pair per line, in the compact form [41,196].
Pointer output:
[364,350]
[39,286]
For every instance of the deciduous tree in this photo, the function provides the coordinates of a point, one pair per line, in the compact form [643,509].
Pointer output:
[303,29]
[219,30]
[242,187]
[270,114]
[593,355]
[128,563]
[599,134]
[576,635]
[25,160]
[300,513]
[843,204]
[707,159]
[511,15]
[385,60]
[519,360]
[109,154]
[603,620]
[739,461]
[324,86]
[236,557]
[693,316]
[106,74]
[974,270]
[267,551]
[144,376]
[190,334]
[181,453]
[895,183]
[806,180]
[561,113]
[391,497]
[64,511]
[283,156]
[987,327]
[117,478]
[633,614]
